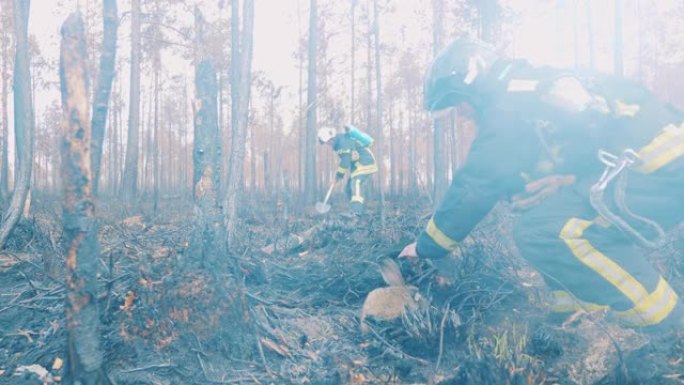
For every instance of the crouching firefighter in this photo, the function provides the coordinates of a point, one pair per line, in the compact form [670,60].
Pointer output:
[593,163]
[355,159]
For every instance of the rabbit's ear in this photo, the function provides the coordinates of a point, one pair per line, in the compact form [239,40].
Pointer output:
[391,273]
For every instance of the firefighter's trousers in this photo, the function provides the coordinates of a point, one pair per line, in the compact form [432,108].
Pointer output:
[592,265]
[356,193]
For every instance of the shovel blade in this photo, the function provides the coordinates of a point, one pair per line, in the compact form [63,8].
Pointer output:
[322,208]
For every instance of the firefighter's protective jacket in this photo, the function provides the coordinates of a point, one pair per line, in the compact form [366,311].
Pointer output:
[539,121]
[355,158]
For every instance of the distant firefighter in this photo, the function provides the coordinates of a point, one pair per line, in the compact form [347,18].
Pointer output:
[594,164]
[356,160]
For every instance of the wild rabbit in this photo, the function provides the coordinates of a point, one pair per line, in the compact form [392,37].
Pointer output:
[389,303]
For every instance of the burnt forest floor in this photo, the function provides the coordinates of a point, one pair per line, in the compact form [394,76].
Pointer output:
[304,279]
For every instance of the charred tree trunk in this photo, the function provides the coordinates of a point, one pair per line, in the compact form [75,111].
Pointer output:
[110,21]
[23,120]
[310,150]
[80,231]
[130,175]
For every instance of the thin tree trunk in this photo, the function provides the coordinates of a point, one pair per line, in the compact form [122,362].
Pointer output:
[110,21]
[5,36]
[207,161]
[311,108]
[130,177]
[439,134]
[352,102]
[379,113]
[84,360]
[23,120]
[413,141]
[155,139]
[241,80]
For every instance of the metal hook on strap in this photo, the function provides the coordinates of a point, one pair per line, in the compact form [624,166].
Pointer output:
[615,166]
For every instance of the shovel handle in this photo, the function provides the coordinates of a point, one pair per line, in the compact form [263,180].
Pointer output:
[327,196]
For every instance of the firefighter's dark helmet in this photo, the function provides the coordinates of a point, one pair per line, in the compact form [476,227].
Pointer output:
[458,73]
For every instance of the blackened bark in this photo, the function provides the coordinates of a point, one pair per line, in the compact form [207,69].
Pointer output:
[84,356]
[110,22]
[23,120]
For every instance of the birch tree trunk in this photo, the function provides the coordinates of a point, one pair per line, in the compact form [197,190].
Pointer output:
[84,359]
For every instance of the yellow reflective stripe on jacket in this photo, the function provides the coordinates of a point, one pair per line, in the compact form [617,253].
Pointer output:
[564,302]
[439,237]
[364,170]
[342,170]
[652,309]
[663,149]
[597,261]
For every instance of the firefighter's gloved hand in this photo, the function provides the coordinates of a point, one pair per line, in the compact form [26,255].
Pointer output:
[540,189]
[409,253]
[339,175]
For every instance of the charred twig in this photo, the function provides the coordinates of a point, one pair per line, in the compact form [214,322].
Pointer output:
[153,366]
[441,333]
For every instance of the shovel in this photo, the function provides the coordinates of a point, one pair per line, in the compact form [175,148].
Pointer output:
[324,207]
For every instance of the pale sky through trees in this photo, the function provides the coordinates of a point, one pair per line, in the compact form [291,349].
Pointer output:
[541,31]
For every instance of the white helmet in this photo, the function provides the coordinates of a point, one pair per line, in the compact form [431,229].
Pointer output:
[326,133]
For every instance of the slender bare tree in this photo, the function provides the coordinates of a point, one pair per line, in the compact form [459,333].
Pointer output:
[311,107]
[130,175]
[80,230]
[23,120]
[379,112]
[5,35]
[110,21]
[241,81]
